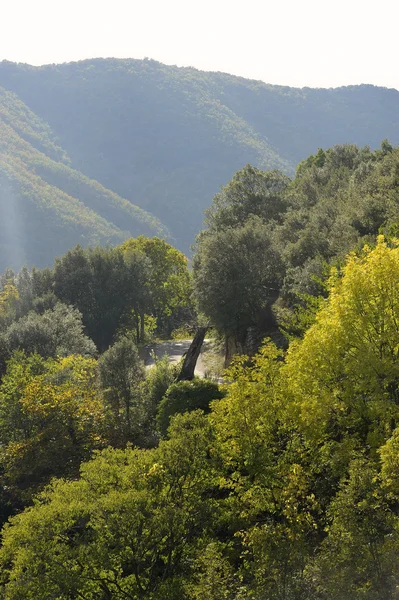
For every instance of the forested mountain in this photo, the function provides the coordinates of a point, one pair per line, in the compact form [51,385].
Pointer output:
[46,206]
[165,138]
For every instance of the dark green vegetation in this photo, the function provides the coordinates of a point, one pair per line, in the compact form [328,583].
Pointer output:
[57,401]
[161,137]
[281,484]
[270,242]
[185,396]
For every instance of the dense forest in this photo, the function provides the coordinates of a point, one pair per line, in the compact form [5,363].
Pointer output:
[281,482]
[161,138]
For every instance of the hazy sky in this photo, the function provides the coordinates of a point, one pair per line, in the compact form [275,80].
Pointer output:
[291,42]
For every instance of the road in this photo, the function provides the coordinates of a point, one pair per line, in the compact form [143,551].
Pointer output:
[174,350]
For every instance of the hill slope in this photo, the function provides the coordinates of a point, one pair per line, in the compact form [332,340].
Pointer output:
[46,206]
[166,138]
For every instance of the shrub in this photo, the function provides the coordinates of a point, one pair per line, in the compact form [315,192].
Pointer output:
[185,396]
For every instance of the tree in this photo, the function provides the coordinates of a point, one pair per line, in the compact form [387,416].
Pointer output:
[102,286]
[9,298]
[186,396]
[238,268]
[121,375]
[168,285]
[158,379]
[237,276]
[51,419]
[344,373]
[251,192]
[115,289]
[359,557]
[57,332]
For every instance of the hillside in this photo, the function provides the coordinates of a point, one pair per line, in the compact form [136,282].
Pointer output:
[46,206]
[166,138]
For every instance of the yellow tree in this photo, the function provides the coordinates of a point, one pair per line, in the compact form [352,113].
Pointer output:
[343,376]
[51,419]
[9,298]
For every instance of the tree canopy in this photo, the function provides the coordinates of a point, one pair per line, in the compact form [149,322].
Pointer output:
[286,488]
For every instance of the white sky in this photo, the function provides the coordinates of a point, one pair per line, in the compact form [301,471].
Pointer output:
[290,42]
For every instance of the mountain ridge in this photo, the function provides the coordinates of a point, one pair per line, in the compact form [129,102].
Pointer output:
[165,138]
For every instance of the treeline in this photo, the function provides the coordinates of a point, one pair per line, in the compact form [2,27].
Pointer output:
[114,289]
[282,483]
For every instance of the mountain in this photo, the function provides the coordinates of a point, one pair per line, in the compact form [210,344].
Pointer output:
[165,138]
[45,205]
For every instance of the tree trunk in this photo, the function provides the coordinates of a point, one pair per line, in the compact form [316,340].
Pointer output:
[190,360]
[231,348]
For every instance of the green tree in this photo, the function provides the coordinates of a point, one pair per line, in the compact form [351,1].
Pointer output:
[251,192]
[344,373]
[360,555]
[121,376]
[57,332]
[168,285]
[237,276]
[103,286]
[158,379]
[186,396]
[9,298]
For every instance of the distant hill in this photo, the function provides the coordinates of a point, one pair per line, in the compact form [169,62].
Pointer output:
[46,206]
[165,138]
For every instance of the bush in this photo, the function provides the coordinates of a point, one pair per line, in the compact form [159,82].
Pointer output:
[185,396]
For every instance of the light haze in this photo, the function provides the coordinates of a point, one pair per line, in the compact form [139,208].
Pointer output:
[288,42]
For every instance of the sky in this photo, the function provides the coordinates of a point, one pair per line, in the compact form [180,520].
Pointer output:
[287,42]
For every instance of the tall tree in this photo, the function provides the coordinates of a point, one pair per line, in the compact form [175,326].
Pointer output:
[168,284]
[237,275]
[102,285]
[121,376]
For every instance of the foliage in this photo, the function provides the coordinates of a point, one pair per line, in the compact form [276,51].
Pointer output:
[121,376]
[359,557]
[287,488]
[9,297]
[346,366]
[167,286]
[158,379]
[124,289]
[103,286]
[57,332]
[237,273]
[185,396]
[250,192]
[50,420]
[339,199]
[146,506]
